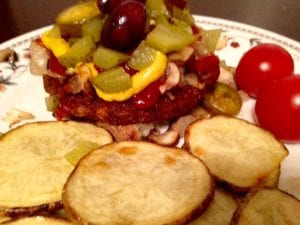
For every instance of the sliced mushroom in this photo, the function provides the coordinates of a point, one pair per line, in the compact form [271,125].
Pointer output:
[79,81]
[192,79]
[173,78]
[181,124]
[169,138]
[175,131]
[128,132]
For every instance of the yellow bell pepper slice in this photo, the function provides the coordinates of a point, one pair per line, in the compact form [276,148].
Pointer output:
[54,42]
[139,81]
[93,71]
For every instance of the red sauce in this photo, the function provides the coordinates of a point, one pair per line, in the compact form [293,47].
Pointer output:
[129,70]
[99,69]
[55,66]
[196,30]
[148,97]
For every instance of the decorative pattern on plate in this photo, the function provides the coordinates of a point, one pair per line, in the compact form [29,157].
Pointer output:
[19,89]
[11,68]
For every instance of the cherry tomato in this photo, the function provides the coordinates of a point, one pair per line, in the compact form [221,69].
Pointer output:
[148,97]
[277,108]
[262,64]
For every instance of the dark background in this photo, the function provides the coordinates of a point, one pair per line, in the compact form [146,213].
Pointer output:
[280,16]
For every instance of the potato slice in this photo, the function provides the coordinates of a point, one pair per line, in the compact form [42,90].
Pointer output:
[272,180]
[4,219]
[39,220]
[137,183]
[238,153]
[267,206]
[220,210]
[33,166]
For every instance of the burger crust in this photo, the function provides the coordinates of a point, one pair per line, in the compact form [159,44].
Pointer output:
[83,106]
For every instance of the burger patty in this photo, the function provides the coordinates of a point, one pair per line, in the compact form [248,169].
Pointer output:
[176,103]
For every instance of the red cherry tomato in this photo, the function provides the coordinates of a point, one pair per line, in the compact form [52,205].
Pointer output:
[277,108]
[148,97]
[262,64]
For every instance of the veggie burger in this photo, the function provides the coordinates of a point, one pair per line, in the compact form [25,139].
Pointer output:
[125,62]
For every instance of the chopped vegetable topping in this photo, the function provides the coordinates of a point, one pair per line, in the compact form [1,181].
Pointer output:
[79,151]
[139,81]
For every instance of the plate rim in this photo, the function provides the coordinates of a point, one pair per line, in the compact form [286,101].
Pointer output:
[249,29]
[200,20]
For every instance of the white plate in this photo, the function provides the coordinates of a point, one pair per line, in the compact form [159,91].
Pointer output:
[24,91]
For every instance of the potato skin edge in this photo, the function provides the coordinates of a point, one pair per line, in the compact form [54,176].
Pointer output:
[33,210]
